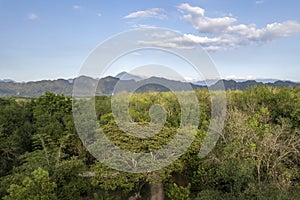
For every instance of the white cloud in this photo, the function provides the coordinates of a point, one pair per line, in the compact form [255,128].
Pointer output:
[213,43]
[193,10]
[99,14]
[153,12]
[225,34]
[212,25]
[165,44]
[259,1]
[32,16]
[196,17]
[284,29]
[169,39]
[251,34]
[76,7]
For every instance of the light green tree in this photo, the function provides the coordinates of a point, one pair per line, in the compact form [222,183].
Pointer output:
[37,187]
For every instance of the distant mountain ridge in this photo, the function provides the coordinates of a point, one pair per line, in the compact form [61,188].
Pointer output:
[210,82]
[125,81]
[7,80]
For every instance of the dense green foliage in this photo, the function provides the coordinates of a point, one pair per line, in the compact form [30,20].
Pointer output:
[256,157]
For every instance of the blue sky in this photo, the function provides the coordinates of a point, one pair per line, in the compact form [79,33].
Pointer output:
[246,39]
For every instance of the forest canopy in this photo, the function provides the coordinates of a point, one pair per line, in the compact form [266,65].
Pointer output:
[256,157]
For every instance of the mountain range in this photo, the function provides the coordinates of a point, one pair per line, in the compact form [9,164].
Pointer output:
[125,82]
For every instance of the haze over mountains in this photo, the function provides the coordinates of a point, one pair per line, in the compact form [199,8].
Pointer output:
[126,82]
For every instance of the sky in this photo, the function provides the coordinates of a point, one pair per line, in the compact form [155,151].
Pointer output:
[246,39]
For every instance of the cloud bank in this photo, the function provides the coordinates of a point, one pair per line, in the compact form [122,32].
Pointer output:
[225,33]
[217,33]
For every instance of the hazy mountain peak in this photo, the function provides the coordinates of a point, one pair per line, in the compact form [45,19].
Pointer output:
[127,76]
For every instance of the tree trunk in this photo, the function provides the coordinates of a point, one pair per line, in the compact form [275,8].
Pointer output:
[157,191]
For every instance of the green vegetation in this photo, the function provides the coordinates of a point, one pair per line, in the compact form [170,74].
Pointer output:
[256,157]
